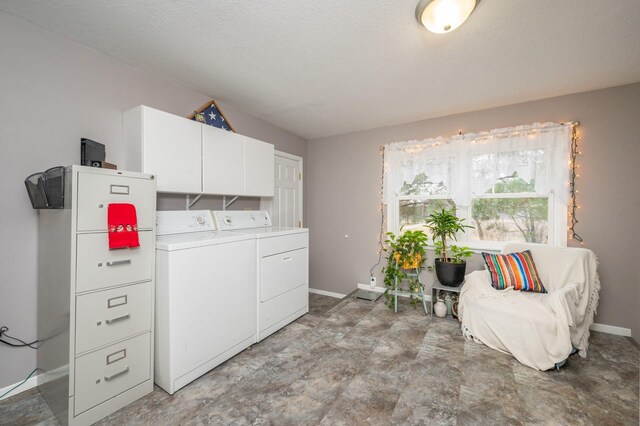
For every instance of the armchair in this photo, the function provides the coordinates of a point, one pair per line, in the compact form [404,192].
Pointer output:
[539,329]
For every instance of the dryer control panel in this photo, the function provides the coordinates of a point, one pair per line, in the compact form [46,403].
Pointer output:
[230,220]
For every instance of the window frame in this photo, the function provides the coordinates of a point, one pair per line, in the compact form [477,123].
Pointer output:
[557,218]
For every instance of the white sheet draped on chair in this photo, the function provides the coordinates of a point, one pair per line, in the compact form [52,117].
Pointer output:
[539,330]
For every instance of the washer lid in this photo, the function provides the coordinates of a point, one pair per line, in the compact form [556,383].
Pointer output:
[198,239]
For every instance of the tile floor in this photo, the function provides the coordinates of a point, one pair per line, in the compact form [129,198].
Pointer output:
[352,361]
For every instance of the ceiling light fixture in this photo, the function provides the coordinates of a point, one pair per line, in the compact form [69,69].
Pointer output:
[443,16]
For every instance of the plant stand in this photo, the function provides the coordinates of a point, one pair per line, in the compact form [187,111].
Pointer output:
[416,275]
[436,288]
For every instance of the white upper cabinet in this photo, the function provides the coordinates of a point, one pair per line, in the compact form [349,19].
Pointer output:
[192,158]
[222,161]
[165,145]
[259,163]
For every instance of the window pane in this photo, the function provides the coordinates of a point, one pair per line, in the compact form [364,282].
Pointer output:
[509,172]
[413,212]
[510,219]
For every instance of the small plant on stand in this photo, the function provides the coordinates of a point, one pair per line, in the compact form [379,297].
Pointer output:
[405,252]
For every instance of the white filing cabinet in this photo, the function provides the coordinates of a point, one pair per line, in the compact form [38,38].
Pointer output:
[95,305]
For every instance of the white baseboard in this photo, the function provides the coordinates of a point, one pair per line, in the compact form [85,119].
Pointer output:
[611,329]
[379,289]
[327,293]
[29,384]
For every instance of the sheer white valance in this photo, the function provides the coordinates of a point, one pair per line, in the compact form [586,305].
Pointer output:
[473,165]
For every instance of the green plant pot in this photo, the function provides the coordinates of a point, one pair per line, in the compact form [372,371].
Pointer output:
[450,274]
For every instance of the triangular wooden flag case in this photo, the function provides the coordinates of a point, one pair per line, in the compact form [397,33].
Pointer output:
[211,114]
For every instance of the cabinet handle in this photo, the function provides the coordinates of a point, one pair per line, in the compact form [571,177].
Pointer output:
[119,373]
[123,317]
[118,262]
[286,259]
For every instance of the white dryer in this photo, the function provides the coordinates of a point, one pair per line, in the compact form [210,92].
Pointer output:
[282,264]
[205,296]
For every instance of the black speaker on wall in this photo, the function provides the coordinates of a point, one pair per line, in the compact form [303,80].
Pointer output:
[92,153]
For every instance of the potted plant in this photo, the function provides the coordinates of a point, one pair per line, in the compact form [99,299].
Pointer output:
[404,252]
[451,264]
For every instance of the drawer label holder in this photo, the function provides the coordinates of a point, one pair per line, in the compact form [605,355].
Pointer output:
[119,189]
[116,356]
[117,301]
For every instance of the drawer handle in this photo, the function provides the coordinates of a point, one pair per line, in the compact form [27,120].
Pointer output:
[123,317]
[118,262]
[119,373]
[286,259]
[119,189]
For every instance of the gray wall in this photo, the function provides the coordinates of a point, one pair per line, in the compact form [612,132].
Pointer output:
[52,93]
[344,191]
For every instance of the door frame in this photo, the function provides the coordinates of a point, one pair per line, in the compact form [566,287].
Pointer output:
[264,202]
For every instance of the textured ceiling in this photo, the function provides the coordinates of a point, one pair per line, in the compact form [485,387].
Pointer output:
[320,68]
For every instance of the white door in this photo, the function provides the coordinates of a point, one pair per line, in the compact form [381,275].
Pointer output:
[285,207]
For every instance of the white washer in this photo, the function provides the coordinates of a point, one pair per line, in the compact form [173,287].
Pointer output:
[205,296]
[283,267]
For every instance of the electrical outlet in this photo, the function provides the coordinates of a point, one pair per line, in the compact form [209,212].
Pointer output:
[372,282]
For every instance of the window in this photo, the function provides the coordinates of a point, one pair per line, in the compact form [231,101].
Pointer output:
[509,184]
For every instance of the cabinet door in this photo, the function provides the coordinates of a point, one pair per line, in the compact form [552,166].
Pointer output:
[222,162]
[171,150]
[258,168]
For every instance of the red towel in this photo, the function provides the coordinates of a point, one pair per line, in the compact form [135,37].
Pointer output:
[123,226]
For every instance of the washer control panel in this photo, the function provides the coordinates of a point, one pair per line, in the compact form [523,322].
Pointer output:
[229,220]
[183,221]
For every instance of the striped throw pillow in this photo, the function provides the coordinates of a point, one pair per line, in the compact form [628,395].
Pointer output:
[515,270]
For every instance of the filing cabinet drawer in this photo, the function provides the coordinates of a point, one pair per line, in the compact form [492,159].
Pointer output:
[282,272]
[103,374]
[96,192]
[280,244]
[111,315]
[99,267]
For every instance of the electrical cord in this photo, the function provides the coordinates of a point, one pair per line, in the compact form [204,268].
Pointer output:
[19,384]
[3,333]
[381,234]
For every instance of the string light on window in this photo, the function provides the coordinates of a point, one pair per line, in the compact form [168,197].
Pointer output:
[381,232]
[573,206]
